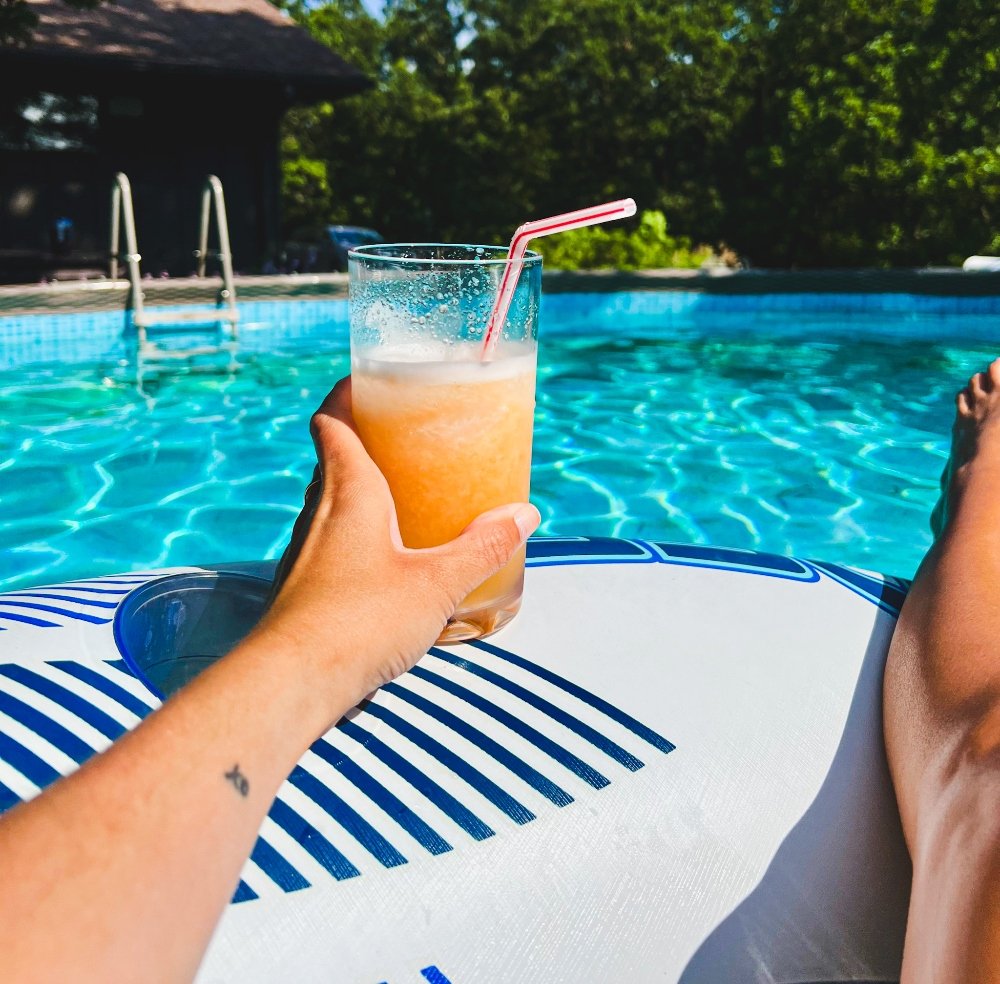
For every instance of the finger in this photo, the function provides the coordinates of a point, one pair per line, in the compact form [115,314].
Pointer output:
[484,546]
[337,404]
[335,437]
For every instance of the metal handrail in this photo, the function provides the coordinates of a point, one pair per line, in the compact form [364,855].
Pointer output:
[122,211]
[123,214]
[212,195]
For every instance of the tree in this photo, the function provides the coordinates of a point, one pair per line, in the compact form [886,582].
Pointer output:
[392,156]
[488,112]
[801,132]
[611,97]
[874,136]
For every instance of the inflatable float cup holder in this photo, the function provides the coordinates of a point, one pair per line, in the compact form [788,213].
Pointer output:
[171,629]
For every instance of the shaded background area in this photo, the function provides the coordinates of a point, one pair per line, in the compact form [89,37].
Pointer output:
[167,93]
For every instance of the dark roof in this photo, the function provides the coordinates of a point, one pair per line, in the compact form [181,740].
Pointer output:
[248,39]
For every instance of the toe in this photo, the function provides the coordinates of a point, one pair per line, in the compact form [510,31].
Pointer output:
[994,373]
[963,404]
[978,386]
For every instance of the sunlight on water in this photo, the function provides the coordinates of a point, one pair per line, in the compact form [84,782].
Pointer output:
[812,440]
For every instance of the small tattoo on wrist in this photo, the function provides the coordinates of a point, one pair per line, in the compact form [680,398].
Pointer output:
[238,780]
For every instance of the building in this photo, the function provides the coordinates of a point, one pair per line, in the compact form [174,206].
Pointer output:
[167,91]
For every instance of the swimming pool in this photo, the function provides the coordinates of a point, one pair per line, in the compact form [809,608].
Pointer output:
[817,429]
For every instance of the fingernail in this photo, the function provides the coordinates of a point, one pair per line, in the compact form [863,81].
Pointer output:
[527,519]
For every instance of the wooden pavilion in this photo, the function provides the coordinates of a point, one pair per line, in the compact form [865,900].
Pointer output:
[167,91]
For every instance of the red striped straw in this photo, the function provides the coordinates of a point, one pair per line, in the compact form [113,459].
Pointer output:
[532,230]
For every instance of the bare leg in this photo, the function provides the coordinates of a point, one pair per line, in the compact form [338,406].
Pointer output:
[942,712]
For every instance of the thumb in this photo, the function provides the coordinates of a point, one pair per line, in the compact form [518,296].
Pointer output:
[486,544]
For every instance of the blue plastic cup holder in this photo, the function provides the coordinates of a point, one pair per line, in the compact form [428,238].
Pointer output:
[171,629]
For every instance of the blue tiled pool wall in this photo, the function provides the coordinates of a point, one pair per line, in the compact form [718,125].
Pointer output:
[676,302]
[107,336]
[858,315]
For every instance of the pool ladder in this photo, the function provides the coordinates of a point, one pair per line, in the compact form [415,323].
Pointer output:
[222,319]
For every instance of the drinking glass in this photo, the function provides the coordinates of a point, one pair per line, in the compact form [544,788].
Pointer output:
[449,429]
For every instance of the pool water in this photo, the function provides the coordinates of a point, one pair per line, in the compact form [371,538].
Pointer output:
[816,435]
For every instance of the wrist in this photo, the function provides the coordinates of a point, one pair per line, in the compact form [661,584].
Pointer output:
[316,683]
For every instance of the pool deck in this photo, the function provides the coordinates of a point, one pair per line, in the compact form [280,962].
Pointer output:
[111,295]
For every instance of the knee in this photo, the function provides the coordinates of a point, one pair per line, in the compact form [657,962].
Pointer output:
[958,819]
[980,752]
[961,805]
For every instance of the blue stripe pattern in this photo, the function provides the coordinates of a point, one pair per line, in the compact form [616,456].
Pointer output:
[553,793]
[518,812]
[79,616]
[422,783]
[731,559]
[41,623]
[53,732]
[8,798]
[312,840]
[548,551]
[11,602]
[587,773]
[122,667]
[131,581]
[83,709]
[93,602]
[244,893]
[434,976]
[26,762]
[119,592]
[107,687]
[52,605]
[636,727]
[886,594]
[605,744]
[276,867]
[387,801]
[348,818]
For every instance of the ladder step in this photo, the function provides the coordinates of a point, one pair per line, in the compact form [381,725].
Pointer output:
[150,317]
[153,353]
[214,326]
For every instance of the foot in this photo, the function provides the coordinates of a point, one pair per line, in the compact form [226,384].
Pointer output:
[975,444]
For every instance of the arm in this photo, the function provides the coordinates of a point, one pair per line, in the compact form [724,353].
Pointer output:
[125,867]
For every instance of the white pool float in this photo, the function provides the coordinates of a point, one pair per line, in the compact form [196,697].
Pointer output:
[668,768]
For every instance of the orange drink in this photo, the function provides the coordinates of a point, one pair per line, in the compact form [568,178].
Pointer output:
[446,418]
[453,439]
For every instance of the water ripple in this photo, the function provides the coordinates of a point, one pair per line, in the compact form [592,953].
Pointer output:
[794,442]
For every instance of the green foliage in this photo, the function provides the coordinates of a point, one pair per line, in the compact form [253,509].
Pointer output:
[609,98]
[648,246]
[393,157]
[305,185]
[875,135]
[820,133]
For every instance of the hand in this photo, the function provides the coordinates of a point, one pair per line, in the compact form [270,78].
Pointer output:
[358,603]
